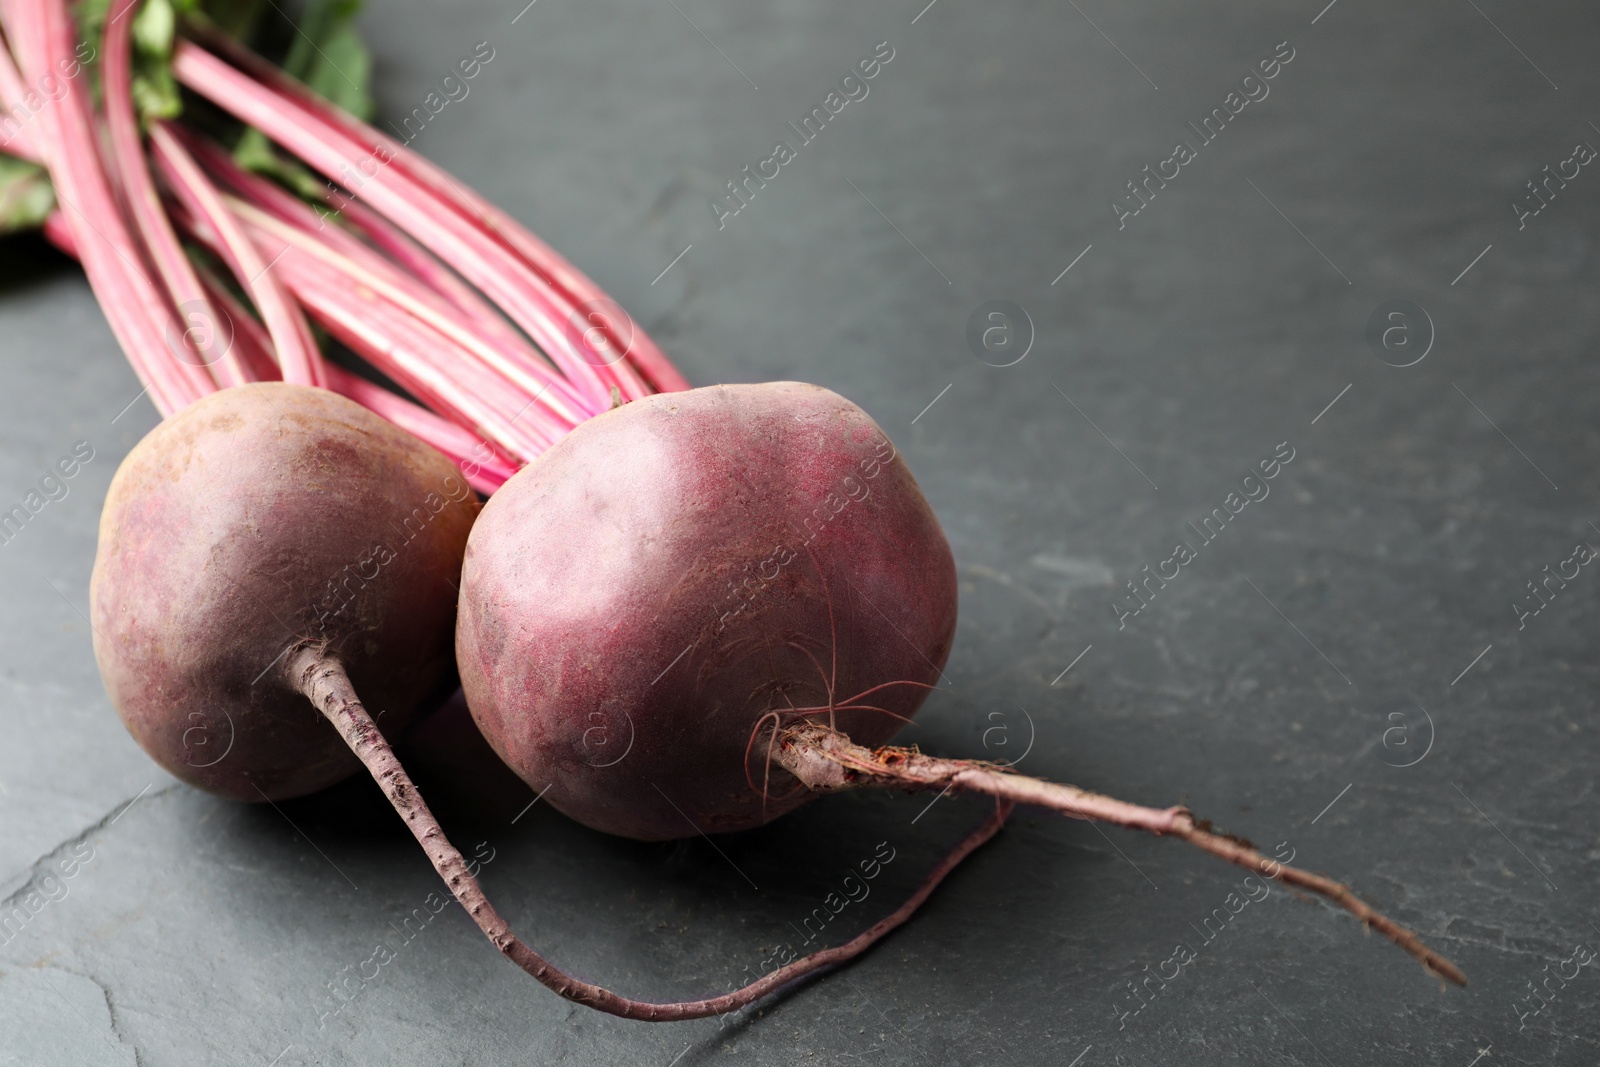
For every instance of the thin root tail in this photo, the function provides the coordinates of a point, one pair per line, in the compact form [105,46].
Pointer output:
[826,760]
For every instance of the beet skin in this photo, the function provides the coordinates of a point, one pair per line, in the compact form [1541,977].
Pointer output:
[636,600]
[257,520]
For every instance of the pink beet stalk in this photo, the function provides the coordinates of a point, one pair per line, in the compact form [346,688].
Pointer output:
[489,340]
[427,269]
[291,334]
[294,222]
[21,143]
[540,257]
[485,468]
[201,339]
[386,285]
[428,363]
[481,260]
[43,34]
[250,339]
[443,344]
[399,271]
[58,231]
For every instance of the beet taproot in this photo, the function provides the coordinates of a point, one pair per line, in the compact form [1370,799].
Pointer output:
[259,520]
[702,609]
[672,571]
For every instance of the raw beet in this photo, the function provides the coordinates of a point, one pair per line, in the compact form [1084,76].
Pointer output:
[639,597]
[260,520]
[701,609]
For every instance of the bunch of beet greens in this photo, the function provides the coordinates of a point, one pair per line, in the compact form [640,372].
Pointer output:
[216,255]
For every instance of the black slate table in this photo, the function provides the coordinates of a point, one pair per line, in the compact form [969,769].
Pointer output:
[1345,267]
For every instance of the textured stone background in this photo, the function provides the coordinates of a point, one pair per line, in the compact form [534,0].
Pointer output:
[1323,640]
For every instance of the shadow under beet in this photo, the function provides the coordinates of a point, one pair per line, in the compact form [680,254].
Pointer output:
[671,920]
[454,769]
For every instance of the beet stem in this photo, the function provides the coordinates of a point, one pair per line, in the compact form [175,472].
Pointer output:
[44,37]
[324,146]
[319,675]
[285,320]
[125,157]
[825,760]
[574,288]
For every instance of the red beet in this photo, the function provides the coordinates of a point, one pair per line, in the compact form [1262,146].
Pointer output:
[676,569]
[701,609]
[258,521]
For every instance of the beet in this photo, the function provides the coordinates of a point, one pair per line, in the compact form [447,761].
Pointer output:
[675,569]
[702,609]
[260,520]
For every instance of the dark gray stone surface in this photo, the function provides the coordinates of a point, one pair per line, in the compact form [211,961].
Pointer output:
[1358,617]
